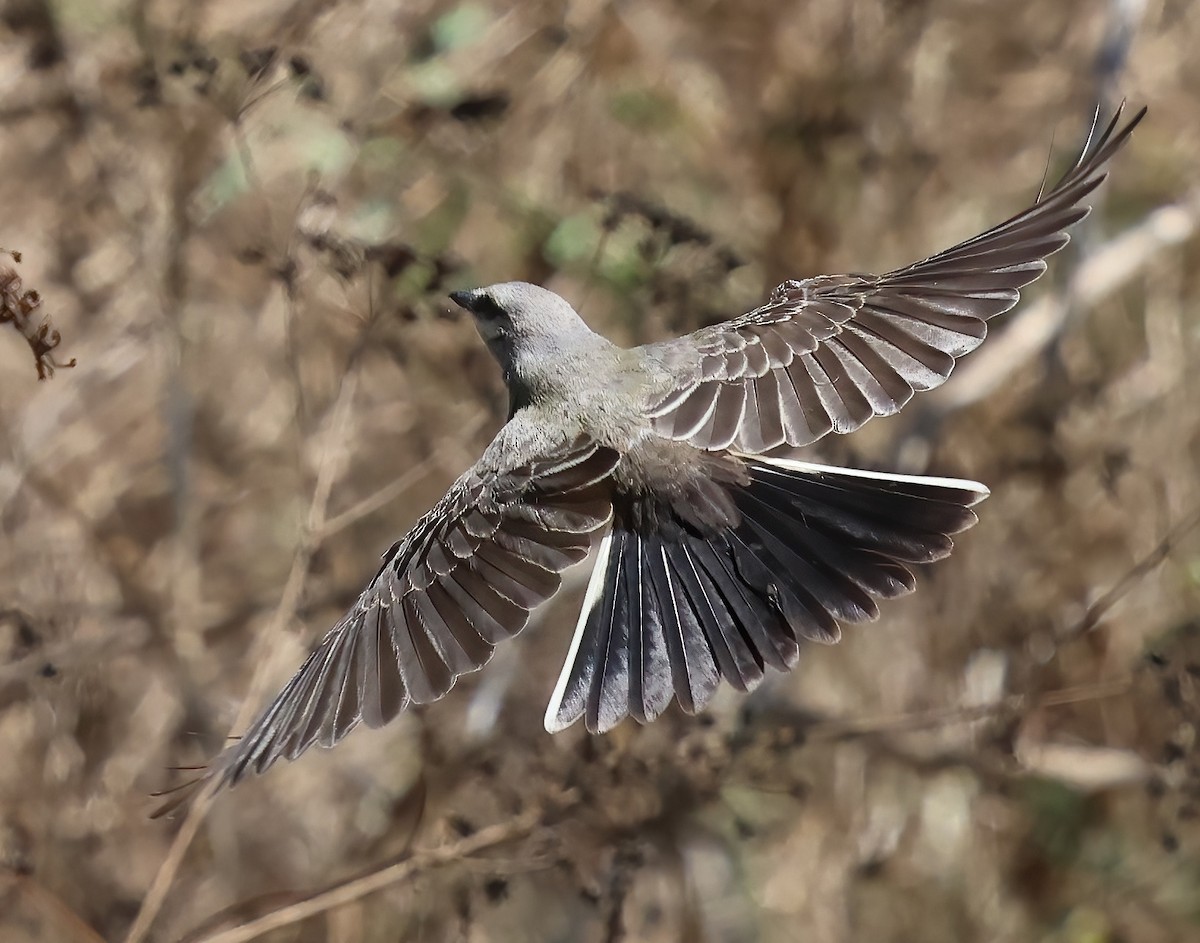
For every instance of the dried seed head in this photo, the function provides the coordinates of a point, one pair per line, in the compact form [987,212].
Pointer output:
[17,307]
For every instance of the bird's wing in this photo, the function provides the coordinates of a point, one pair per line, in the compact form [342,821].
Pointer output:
[461,581]
[828,353]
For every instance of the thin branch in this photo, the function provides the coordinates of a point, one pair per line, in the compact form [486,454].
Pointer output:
[1112,687]
[389,492]
[264,645]
[54,908]
[840,729]
[345,892]
[165,876]
[126,637]
[1097,610]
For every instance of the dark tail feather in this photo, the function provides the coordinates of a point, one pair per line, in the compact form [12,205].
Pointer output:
[671,613]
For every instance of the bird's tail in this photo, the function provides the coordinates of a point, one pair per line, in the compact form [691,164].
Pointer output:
[671,612]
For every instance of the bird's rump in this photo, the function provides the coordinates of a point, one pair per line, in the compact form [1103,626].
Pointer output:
[826,354]
[672,609]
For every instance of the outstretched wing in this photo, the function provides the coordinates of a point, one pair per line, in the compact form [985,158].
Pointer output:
[828,353]
[465,578]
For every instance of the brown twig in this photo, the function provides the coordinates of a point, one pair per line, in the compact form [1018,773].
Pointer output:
[54,909]
[284,613]
[125,638]
[389,492]
[840,729]
[1097,610]
[345,892]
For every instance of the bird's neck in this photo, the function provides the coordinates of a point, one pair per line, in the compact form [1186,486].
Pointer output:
[520,394]
[542,372]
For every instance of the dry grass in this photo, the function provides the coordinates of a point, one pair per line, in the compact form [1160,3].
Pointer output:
[244,217]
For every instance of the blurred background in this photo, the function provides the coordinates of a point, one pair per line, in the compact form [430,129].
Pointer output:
[244,218]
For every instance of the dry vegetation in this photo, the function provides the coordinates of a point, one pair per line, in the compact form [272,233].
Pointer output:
[244,217]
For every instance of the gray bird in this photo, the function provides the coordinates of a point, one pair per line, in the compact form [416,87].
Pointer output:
[715,561]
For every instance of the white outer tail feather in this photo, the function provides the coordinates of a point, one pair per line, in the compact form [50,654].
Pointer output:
[591,597]
[792,465]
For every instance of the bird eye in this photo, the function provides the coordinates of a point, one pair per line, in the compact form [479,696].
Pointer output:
[487,309]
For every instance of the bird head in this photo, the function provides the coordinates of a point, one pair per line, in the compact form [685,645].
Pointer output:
[516,315]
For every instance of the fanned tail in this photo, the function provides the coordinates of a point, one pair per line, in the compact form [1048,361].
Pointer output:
[671,610]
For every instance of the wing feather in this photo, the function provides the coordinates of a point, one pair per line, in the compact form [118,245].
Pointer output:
[846,348]
[466,577]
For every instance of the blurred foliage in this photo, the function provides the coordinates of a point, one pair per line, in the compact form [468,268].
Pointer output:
[243,218]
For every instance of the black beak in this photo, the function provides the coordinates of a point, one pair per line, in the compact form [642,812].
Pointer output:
[464,299]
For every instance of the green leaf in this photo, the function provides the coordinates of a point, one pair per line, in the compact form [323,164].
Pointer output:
[461,26]
[644,109]
[575,238]
[435,83]
[227,182]
[381,154]
[1058,816]
[327,151]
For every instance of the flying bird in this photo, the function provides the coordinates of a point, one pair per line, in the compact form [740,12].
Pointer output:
[714,560]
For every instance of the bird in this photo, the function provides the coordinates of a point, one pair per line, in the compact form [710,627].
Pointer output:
[716,558]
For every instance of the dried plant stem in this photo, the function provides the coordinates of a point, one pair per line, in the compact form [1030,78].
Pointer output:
[21,308]
[838,728]
[1097,610]
[340,424]
[353,889]
[389,492]
[54,908]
